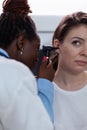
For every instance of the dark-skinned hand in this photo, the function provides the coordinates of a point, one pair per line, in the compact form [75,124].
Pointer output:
[47,68]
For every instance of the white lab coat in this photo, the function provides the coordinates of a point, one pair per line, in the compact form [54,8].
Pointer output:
[20,106]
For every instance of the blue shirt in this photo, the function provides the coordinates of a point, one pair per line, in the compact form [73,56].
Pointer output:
[46,93]
[4,53]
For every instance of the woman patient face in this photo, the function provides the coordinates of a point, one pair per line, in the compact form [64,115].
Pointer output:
[73,50]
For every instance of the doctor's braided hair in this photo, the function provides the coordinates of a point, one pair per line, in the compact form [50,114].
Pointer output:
[15,21]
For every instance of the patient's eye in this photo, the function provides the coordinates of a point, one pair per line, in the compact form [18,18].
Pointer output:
[76,42]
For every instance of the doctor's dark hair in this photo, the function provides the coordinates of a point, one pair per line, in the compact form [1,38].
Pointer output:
[67,23]
[15,21]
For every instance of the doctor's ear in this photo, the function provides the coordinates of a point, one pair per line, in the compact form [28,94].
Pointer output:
[20,44]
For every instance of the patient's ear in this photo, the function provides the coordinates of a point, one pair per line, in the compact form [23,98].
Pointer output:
[56,43]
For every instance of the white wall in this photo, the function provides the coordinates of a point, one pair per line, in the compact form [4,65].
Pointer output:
[46,24]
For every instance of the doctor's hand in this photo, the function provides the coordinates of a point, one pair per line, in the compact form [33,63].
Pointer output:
[47,69]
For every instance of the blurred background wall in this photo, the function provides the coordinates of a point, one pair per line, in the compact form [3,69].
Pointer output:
[46,24]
